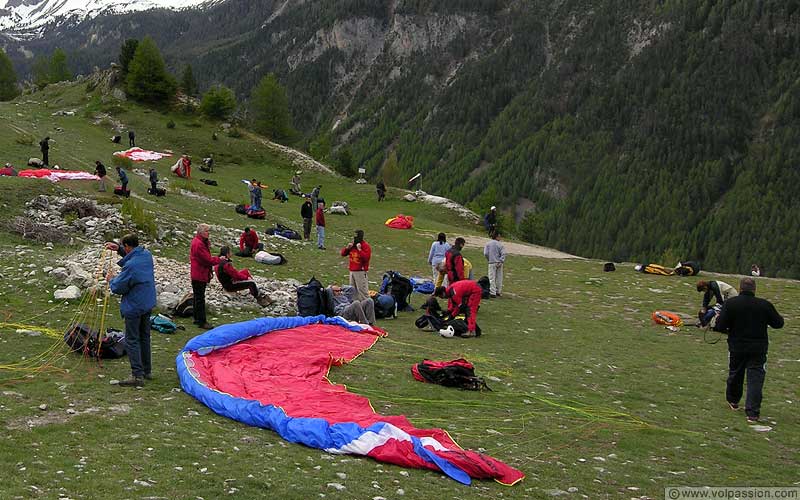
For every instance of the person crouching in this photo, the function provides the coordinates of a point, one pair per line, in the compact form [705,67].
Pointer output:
[463,296]
[234,281]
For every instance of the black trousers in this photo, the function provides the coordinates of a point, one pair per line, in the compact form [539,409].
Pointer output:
[754,366]
[199,302]
[244,285]
[45,159]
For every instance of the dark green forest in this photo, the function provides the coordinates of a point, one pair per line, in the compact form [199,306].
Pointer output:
[637,130]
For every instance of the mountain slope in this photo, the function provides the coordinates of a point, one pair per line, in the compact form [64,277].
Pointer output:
[629,129]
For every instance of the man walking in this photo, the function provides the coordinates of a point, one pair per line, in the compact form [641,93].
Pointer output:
[44,147]
[306,212]
[202,267]
[495,253]
[745,319]
[359,253]
[321,224]
[136,283]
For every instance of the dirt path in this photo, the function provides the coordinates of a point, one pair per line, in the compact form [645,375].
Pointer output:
[515,248]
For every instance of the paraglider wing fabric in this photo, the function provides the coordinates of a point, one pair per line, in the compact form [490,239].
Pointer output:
[139,154]
[400,222]
[272,373]
[58,175]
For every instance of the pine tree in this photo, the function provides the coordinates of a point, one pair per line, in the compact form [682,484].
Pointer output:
[218,103]
[148,79]
[188,83]
[8,78]
[126,53]
[41,72]
[271,109]
[345,162]
[59,71]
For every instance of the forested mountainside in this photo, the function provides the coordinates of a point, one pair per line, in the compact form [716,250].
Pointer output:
[628,130]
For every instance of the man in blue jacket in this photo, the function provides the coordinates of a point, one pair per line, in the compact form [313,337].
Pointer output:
[136,283]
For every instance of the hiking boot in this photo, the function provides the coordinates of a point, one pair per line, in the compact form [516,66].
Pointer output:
[206,326]
[733,406]
[752,419]
[264,300]
[148,376]
[132,382]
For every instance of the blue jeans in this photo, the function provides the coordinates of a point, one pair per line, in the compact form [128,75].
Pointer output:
[137,343]
[320,236]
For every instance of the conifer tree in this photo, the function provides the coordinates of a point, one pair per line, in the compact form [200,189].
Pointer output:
[59,71]
[188,83]
[126,53]
[148,79]
[8,78]
[218,103]
[271,109]
[41,72]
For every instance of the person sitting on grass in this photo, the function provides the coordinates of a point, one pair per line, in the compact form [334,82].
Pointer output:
[344,305]
[234,281]
[248,243]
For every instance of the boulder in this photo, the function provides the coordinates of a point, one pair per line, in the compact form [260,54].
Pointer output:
[72,292]
[410,197]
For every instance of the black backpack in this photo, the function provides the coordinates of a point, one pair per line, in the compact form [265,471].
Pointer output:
[309,298]
[81,338]
[185,306]
[609,267]
[456,373]
[399,287]
[485,287]
[240,209]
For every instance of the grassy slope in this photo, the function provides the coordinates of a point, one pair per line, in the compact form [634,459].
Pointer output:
[567,348]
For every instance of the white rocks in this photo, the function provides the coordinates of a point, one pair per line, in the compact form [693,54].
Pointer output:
[337,486]
[69,293]
[410,197]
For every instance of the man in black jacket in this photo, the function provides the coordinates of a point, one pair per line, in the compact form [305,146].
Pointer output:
[306,212]
[745,319]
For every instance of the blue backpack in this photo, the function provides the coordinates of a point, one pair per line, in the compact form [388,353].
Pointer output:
[162,323]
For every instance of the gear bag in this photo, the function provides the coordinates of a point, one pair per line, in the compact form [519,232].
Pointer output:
[455,373]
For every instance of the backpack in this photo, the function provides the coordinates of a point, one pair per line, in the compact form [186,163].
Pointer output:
[158,192]
[256,214]
[399,287]
[687,268]
[485,287]
[263,257]
[385,306]
[309,298]
[162,324]
[241,209]
[120,192]
[81,338]
[609,267]
[185,306]
[208,182]
[456,373]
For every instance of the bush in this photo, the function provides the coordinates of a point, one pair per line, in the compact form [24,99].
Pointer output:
[235,133]
[170,124]
[144,220]
[24,140]
[218,103]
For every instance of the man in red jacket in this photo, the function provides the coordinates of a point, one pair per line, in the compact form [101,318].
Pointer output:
[233,280]
[248,243]
[321,224]
[202,264]
[454,262]
[464,293]
[359,252]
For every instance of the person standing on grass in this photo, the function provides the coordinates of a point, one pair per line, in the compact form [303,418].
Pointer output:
[202,267]
[123,179]
[306,212]
[100,171]
[136,283]
[380,188]
[321,224]
[44,147]
[359,253]
[745,319]
[437,255]
[315,197]
[495,253]
[132,138]
[153,181]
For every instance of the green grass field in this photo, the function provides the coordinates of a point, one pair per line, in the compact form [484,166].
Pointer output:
[588,397]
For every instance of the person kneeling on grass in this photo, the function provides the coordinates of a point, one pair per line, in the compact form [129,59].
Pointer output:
[248,243]
[464,294]
[234,281]
[344,305]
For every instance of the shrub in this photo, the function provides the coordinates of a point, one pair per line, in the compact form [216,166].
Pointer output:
[234,132]
[144,220]
[170,124]
[121,161]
